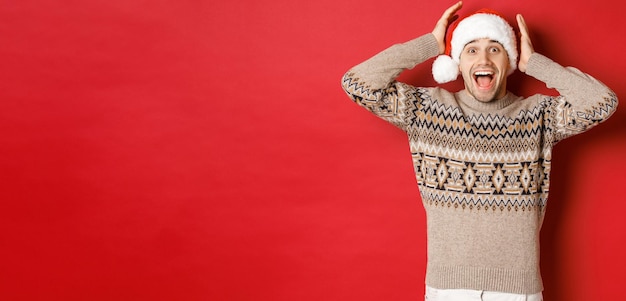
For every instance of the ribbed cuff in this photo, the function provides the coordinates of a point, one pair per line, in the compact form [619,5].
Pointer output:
[488,279]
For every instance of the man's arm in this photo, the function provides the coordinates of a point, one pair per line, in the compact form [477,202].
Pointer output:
[372,83]
[583,102]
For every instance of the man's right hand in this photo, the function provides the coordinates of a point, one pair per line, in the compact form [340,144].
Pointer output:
[442,25]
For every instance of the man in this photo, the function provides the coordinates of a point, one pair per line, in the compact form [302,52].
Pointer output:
[481,155]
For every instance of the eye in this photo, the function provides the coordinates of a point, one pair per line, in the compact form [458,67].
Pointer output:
[494,49]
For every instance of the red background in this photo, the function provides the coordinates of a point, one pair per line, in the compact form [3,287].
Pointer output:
[204,150]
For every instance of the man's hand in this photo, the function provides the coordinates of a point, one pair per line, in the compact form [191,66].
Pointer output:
[526,47]
[442,25]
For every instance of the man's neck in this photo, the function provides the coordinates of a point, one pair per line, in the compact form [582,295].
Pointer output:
[466,98]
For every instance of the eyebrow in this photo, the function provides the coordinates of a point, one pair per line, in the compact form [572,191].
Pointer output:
[476,40]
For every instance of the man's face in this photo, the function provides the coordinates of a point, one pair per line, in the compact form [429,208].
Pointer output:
[484,65]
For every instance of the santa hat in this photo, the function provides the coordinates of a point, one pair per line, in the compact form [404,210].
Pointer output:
[484,23]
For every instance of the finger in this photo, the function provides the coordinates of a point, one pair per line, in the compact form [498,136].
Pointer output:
[451,11]
[521,23]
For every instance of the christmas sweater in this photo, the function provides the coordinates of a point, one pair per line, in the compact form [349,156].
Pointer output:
[483,169]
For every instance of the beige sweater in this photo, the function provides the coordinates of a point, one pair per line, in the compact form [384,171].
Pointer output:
[483,169]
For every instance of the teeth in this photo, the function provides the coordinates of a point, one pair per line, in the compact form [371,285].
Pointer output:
[479,73]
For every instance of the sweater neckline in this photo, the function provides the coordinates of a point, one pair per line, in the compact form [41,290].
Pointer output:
[464,97]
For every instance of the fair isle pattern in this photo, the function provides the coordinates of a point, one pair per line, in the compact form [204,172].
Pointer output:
[484,203]
[480,161]
[483,161]
[482,168]
[390,109]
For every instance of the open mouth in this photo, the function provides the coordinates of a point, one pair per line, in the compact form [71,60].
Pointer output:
[483,79]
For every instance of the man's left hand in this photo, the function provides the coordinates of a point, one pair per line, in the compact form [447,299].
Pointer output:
[526,47]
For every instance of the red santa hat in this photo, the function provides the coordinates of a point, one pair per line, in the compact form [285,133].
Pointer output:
[484,23]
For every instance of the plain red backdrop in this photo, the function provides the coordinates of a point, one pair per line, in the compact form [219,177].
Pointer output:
[204,150]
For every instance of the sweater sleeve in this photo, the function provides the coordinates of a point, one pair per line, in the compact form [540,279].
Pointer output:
[372,84]
[583,101]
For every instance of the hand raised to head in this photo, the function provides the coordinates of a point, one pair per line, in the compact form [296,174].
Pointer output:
[442,25]
[526,47]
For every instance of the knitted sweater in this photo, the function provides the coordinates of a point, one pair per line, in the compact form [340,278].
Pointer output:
[483,169]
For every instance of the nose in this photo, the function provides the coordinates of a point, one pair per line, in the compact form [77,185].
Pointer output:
[483,57]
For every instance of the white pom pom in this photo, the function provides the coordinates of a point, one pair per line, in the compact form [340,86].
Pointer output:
[445,69]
